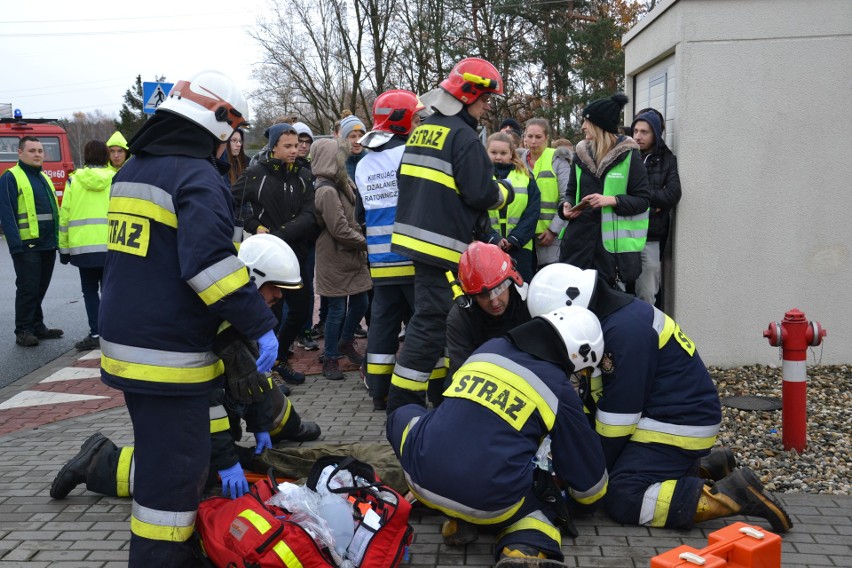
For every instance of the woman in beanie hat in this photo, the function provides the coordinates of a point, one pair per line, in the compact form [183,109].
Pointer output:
[608,184]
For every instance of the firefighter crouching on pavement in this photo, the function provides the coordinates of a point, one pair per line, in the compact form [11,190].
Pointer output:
[171,278]
[495,294]
[472,457]
[395,113]
[656,411]
[109,470]
[445,189]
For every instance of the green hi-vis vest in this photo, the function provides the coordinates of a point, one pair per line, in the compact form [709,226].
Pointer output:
[506,219]
[548,185]
[619,234]
[27,217]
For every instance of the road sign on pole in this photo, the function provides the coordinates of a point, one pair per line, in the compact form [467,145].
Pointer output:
[153,94]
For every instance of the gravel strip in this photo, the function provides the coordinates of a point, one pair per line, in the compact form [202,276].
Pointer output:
[755,436]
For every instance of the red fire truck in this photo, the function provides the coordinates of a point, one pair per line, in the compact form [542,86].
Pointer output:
[57,151]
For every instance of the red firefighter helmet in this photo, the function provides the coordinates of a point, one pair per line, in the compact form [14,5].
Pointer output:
[487,268]
[472,77]
[393,110]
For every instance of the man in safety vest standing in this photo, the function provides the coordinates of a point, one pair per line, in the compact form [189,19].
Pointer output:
[30,217]
[171,278]
[445,189]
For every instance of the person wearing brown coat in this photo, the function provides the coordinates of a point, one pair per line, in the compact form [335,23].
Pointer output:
[342,273]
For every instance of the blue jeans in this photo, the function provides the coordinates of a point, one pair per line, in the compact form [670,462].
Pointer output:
[340,324]
[90,282]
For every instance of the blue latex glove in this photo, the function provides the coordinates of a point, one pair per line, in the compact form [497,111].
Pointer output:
[234,482]
[267,344]
[263,440]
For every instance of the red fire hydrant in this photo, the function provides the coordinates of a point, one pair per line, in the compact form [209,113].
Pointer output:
[794,335]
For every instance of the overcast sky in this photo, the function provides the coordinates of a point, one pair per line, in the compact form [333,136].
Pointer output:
[60,57]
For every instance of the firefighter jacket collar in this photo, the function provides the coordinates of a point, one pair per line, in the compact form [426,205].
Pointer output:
[167,134]
[538,338]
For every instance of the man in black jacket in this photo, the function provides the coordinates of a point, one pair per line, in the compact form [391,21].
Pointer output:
[661,165]
[281,199]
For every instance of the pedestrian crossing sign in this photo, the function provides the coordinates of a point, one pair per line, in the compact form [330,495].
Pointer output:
[153,94]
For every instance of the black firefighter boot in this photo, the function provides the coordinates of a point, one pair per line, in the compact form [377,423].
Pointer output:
[741,493]
[719,463]
[75,471]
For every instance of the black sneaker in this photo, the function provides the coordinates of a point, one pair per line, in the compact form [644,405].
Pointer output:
[26,339]
[318,330]
[307,343]
[360,332]
[49,333]
[91,342]
[288,374]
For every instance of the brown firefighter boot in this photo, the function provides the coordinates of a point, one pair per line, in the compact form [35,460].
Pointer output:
[74,472]
[741,493]
[718,464]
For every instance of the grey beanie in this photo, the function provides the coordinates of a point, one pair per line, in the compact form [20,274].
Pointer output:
[350,123]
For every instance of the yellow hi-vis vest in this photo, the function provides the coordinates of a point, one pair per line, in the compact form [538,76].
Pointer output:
[548,185]
[506,219]
[619,233]
[27,217]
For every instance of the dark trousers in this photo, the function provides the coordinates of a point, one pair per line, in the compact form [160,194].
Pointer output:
[639,467]
[425,337]
[33,271]
[172,453]
[90,282]
[515,531]
[299,307]
[391,304]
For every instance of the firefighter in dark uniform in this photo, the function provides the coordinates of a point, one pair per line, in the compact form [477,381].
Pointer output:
[171,278]
[495,295]
[472,457]
[109,470]
[395,114]
[445,189]
[656,411]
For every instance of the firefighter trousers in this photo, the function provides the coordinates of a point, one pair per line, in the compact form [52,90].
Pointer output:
[425,337]
[172,455]
[654,485]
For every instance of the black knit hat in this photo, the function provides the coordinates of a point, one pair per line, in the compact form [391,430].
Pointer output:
[513,124]
[606,113]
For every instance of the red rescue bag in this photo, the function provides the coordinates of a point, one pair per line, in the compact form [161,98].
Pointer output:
[382,533]
[247,532]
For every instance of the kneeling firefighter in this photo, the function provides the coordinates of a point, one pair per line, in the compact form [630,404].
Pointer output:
[511,393]
[109,470]
[656,411]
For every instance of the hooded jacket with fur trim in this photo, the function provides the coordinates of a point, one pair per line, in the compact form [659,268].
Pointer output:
[582,244]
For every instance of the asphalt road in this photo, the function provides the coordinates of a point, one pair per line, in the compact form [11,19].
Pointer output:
[63,308]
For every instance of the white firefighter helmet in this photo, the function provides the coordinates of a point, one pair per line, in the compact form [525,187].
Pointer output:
[269,259]
[560,284]
[581,333]
[212,101]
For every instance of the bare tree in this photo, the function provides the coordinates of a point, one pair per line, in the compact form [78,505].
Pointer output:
[84,127]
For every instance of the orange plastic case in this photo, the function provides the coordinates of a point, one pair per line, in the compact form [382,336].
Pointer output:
[736,546]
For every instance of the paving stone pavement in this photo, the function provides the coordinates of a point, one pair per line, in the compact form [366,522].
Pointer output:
[89,530]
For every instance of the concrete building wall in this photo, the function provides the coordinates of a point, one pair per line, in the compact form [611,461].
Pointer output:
[762,101]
